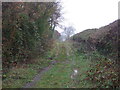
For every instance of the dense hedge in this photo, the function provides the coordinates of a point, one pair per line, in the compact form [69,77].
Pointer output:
[27,30]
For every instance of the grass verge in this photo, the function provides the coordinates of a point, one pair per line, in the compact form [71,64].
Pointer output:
[17,77]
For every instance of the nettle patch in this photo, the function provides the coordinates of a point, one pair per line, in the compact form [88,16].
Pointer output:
[104,73]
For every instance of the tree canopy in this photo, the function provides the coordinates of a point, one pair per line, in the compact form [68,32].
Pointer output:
[27,29]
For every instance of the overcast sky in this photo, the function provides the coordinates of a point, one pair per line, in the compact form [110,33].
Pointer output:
[87,14]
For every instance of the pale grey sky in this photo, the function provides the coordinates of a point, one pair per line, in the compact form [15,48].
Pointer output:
[86,14]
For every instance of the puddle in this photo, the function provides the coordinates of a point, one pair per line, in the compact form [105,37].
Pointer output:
[74,74]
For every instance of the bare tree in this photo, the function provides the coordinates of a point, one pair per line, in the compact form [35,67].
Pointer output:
[68,31]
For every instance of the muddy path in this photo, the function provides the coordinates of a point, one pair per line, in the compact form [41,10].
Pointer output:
[39,75]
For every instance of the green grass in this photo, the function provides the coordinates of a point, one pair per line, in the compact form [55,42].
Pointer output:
[17,77]
[59,76]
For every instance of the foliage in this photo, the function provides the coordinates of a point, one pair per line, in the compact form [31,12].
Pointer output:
[59,76]
[58,52]
[103,72]
[104,40]
[27,30]
[101,47]
[84,35]
[56,35]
